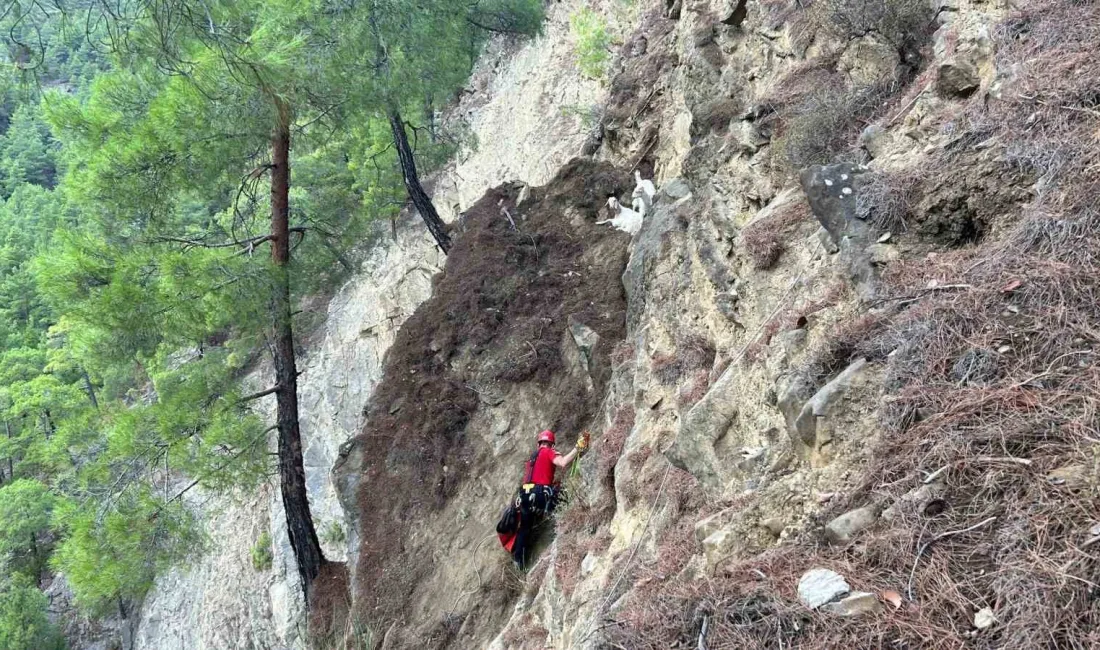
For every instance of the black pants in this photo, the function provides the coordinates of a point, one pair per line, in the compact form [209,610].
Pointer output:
[535,504]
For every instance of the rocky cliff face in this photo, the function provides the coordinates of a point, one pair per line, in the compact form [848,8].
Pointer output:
[814,367]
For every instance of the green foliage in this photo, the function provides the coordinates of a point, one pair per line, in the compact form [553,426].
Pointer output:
[135,279]
[262,554]
[112,552]
[25,509]
[23,621]
[592,43]
[334,534]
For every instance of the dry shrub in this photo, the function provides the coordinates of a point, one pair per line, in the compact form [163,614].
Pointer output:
[905,24]
[528,634]
[695,388]
[816,111]
[692,352]
[824,120]
[763,239]
[611,444]
[887,199]
[577,533]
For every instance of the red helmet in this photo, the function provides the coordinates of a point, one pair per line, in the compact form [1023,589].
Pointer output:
[547,436]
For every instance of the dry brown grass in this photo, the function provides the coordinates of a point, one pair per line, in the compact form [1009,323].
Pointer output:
[528,634]
[905,24]
[610,446]
[1004,536]
[692,352]
[765,239]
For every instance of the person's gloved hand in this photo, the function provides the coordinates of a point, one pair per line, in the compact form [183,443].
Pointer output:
[582,443]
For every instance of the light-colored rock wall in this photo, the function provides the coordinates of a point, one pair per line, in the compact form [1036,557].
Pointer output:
[518,109]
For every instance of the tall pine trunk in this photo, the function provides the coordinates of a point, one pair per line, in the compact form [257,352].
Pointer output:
[292,475]
[419,197]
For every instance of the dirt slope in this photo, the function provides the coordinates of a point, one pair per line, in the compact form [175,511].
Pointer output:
[527,279]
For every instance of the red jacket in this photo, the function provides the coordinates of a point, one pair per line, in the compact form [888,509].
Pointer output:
[543,471]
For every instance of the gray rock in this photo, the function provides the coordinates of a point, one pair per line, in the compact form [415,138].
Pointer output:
[958,78]
[841,530]
[873,140]
[734,13]
[588,564]
[707,526]
[917,498]
[868,59]
[834,192]
[831,191]
[774,525]
[749,137]
[675,190]
[646,251]
[586,339]
[705,424]
[817,587]
[827,241]
[883,253]
[804,425]
[858,603]
[720,545]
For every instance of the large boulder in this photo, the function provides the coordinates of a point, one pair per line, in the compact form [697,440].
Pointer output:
[834,193]
[958,78]
[804,418]
[868,60]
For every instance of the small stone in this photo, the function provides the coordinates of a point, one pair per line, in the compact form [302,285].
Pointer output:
[828,182]
[841,530]
[524,195]
[883,253]
[819,586]
[873,140]
[857,604]
[1071,476]
[588,564]
[720,545]
[885,237]
[827,241]
[984,618]
[957,79]
[847,191]
[775,525]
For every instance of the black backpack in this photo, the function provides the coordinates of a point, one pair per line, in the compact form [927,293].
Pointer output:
[509,519]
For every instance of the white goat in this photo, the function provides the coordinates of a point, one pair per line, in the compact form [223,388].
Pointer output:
[644,186]
[626,220]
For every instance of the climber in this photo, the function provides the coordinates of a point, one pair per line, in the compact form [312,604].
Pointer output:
[539,493]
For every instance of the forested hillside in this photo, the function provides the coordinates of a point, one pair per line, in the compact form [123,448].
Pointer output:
[175,178]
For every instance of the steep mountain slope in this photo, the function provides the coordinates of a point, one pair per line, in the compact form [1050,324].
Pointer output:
[856,339]
[856,333]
